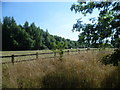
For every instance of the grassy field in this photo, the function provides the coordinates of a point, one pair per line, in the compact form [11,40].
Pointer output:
[7,53]
[82,70]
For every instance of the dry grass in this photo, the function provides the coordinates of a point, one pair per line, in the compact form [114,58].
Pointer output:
[75,71]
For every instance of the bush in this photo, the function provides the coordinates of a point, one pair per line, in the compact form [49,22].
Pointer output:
[113,58]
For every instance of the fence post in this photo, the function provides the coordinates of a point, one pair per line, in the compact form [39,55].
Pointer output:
[68,52]
[36,55]
[78,51]
[12,60]
[54,53]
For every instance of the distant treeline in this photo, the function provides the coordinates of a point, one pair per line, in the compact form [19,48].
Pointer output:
[30,37]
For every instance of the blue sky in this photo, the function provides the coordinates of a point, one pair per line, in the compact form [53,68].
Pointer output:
[54,16]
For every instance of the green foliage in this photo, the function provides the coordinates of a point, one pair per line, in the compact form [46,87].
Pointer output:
[61,47]
[103,28]
[113,58]
[29,37]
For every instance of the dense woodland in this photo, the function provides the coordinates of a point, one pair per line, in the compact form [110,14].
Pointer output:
[30,37]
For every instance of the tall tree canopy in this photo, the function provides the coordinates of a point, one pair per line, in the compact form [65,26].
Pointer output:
[104,30]
[29,37]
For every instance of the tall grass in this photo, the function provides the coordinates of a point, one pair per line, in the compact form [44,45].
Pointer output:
[75,71]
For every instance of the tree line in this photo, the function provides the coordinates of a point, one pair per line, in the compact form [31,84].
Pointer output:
[30,37]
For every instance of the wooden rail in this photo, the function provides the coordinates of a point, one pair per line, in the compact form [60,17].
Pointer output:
[36,54]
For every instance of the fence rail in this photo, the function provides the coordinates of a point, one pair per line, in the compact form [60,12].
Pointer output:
[36,54]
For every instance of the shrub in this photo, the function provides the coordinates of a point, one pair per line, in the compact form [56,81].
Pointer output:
[113,58]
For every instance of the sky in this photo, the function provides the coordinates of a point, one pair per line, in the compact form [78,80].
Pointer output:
[56,17]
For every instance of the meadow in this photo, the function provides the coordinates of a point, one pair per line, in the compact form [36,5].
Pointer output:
[83,70]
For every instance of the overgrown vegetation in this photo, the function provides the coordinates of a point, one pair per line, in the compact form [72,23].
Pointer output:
[113,58]
[75,71]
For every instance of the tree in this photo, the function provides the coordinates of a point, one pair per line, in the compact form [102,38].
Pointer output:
[25,42]
[61,47]
[8,28]
[27,37]
[47,39]
[5,33]
[38,39]
[26,26]
[106,27]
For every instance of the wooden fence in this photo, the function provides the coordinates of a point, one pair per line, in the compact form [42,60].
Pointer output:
[35,54]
